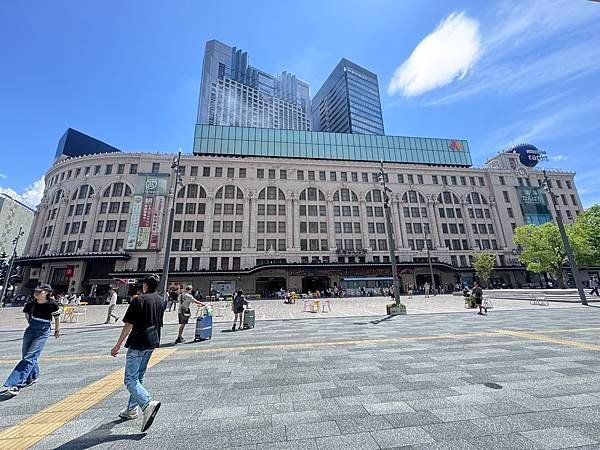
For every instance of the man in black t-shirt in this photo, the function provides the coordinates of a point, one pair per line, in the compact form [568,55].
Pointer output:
[143,321]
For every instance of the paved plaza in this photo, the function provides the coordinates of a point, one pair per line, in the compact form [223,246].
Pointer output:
[521,378]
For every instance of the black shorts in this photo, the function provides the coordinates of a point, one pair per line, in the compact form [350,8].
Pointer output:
[478,300]
[184,318]
[238,311]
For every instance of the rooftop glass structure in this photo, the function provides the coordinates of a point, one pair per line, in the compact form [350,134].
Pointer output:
[274,143]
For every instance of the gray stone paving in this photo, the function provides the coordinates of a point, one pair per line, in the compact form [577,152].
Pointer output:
[422,394]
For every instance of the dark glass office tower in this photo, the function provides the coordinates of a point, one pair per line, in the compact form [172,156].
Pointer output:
[348,102]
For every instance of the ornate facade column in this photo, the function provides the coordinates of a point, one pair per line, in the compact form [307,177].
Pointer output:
[91,221]
[434,224]
[253,218]
[401,222]
[498,228]
[363,222]
[59,225]
[468,226]
[394,212]
[330,221]
[246,226]
[35,235]
[208,220]
[296,218]
[289,220]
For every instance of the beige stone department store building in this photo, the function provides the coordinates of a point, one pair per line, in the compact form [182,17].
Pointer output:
[244,220]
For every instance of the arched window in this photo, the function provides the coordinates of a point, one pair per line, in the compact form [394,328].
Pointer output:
[117,190]
[271,220]
[57,196]
[228,219]
[346,213]
[83,192]
[313,220]
[451,221]
[191,191]
[416,222]
[481,222]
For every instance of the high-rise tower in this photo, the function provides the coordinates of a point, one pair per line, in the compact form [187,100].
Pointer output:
[234,93]
[348,102]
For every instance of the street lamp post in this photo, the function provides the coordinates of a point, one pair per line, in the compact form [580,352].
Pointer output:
[565,239]
[10,266]
[162,287]
[390,238]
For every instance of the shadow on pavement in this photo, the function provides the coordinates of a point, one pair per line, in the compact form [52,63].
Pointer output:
[100,435]
[378,321]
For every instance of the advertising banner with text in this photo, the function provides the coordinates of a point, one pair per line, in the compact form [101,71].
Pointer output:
[147,212]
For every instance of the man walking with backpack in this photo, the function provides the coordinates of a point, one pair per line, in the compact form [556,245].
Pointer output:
[143,322]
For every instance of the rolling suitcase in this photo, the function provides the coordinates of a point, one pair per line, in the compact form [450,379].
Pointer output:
[203,328]
[249,318]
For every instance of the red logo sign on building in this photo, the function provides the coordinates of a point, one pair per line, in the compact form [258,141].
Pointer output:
[69,271]
[455,145]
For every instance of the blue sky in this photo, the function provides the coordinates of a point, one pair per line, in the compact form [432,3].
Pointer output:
[128,72]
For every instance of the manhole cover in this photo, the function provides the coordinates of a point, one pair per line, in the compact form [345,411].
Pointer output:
[492,385]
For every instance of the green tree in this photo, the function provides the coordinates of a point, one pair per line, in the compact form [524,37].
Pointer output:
[542,249]
[588,225]
[484,263]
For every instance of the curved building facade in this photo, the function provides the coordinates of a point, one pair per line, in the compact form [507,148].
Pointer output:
[262,223]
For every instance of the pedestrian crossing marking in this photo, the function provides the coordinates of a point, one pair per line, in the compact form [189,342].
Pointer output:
[36,427]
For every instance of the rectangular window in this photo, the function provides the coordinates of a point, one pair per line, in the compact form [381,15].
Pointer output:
[108,169]
[299,174]
[230,172]
[271,174]
[242,173]
[311,175]
[283,174]
[107,245]
[332,176]
[155,167]
[206,173]
[216,226]
[198,244]
[114,207]
[218,171]
[215,245]
[122,225]
[96,245]
[194,171]
[111,226]
[354,176]
[365,177]
[133,170]
[434,179]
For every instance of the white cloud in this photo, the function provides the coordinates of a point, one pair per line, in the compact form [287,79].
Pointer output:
[441,57]
[2,175]
[32,195]
[526,45]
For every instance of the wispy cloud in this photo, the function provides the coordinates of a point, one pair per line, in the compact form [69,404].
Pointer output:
[441,57]
[32,195]
[559,157]
[2,175]
[522,46]
[562,122]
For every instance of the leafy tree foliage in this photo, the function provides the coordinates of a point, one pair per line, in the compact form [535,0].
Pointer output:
[484,263]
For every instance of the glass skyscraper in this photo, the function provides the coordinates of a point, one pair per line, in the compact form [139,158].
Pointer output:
[348,102]
[234,93]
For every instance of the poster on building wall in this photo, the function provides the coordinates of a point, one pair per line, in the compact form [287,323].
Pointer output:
[534,205]
[147,212]
[156,222]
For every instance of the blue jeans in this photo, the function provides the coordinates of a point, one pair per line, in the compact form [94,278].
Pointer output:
[34,339]
[135,369]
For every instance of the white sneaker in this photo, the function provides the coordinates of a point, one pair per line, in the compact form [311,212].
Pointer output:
[129,414]
[11,391]
[149,413]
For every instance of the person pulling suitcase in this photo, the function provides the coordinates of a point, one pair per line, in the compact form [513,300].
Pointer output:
[239,301]
[185,311]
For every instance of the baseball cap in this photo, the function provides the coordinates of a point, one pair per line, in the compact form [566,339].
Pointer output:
[44,287]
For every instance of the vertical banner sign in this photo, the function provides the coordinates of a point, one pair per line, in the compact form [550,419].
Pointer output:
[156,222]
[147,211]
[134,221]
[143,238]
